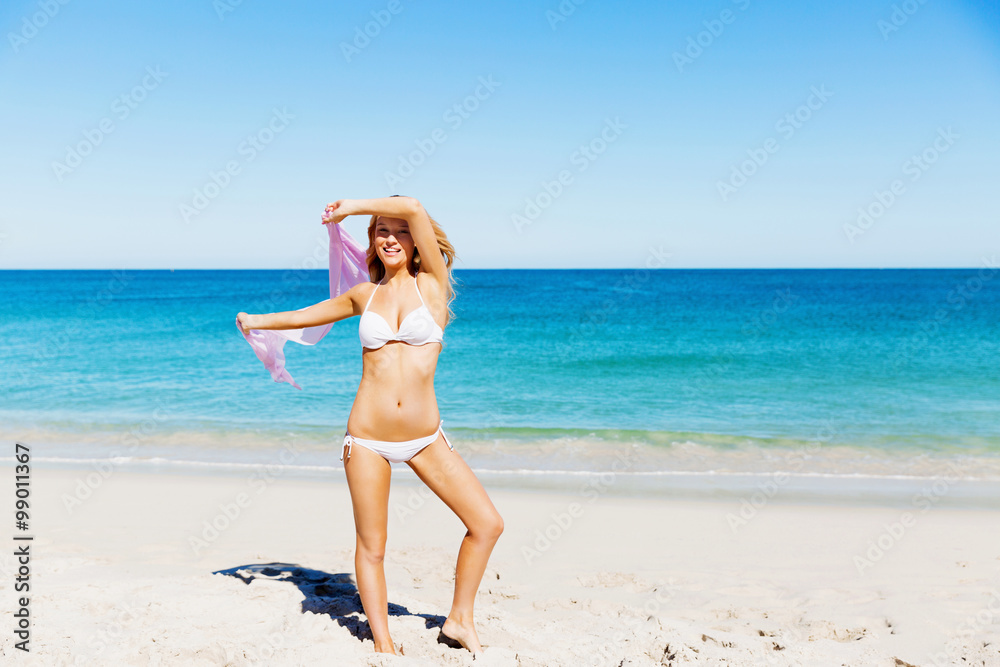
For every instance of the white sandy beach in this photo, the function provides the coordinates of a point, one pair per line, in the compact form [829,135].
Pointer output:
[618,581]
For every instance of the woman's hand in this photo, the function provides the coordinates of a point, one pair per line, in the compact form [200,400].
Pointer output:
[336,212]
[244,321]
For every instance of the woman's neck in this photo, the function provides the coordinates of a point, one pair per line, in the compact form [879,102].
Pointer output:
[397,278]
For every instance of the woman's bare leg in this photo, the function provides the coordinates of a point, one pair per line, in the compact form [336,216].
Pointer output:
[449,476]
[368,477]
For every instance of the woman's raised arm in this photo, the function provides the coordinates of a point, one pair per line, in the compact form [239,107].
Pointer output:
[403,208]
[324,312]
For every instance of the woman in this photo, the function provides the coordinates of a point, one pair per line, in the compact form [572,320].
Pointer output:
[395,417]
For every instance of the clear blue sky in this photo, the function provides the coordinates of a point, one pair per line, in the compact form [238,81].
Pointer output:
[674,130]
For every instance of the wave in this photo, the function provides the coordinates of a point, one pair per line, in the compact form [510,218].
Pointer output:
[527,452]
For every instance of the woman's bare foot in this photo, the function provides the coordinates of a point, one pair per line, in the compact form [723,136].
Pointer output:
[464,634]
[388,647]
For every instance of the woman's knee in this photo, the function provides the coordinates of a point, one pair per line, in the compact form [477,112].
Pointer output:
[372,549]
[490,527]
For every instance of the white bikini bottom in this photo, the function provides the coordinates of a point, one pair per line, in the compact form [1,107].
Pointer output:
[394,452]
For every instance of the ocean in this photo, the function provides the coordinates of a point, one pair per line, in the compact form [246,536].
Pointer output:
[668,380]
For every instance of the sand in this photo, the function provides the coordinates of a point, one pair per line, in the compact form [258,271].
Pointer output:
[127,569]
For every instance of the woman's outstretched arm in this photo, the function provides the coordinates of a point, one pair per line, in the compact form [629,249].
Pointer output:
[404,208]
[324,312]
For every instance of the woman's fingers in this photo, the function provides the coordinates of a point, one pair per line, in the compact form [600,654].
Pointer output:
[328,213]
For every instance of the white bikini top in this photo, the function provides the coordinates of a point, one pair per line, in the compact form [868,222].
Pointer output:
[417,328]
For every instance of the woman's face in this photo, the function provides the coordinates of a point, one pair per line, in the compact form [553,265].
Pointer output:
[393,243]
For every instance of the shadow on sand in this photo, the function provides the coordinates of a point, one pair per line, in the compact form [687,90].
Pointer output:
[335,595]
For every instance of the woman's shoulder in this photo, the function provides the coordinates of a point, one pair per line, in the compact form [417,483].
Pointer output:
[360,292]
[362,288]
[427,281]
[434,293]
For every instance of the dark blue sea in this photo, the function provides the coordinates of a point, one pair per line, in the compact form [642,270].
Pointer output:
[656,373]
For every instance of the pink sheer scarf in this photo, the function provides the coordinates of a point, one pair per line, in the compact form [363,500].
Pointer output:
[347,269]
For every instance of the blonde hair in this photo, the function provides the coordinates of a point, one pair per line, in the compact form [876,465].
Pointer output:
[376,269]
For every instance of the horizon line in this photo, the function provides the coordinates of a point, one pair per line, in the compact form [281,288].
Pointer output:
[544,268]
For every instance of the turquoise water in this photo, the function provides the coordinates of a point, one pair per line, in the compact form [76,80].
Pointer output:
[864,371]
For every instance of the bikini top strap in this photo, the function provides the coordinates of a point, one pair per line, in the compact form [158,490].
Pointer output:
[418,292]
[371,297]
